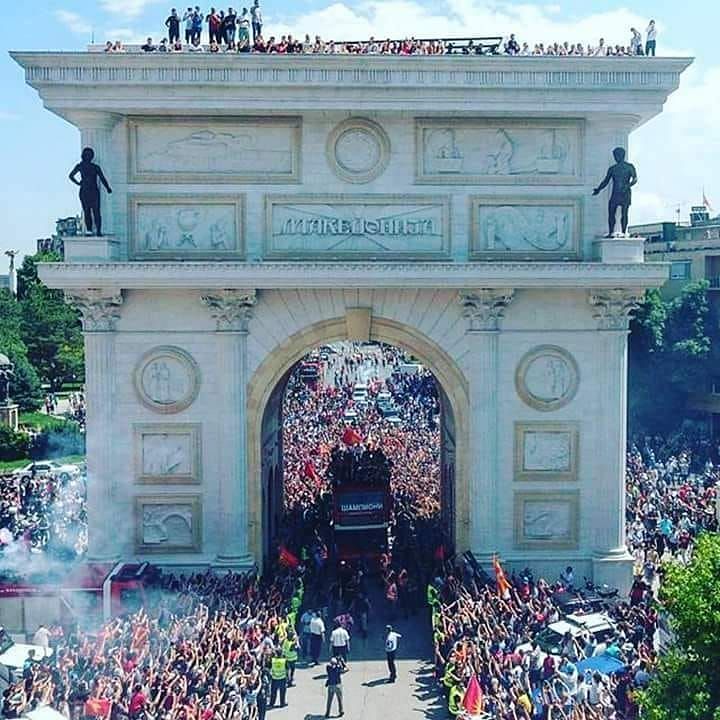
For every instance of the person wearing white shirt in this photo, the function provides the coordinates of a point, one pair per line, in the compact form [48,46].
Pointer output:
[317,635]
[391,644]
[340,641]
[601,49]
[195,46]
[650,39]
[42,637]
[635,42]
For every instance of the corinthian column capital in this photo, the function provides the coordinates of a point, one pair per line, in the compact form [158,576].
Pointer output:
[485,307]
[613,308]
[231,309]
[100,309]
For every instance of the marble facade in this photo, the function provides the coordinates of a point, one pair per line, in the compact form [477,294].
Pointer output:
[438,204]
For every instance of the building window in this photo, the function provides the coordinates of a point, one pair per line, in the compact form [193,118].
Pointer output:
[680,270]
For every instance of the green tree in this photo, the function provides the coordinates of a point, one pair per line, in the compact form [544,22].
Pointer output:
[676,342]
[50,328]
[25,388]
[686,685]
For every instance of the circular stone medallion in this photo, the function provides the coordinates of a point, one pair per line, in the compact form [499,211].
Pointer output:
[167,379]
[547,378]
[358,150]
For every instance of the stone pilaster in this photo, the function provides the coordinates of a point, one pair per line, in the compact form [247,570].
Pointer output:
[612,309]
[100,311]
[484,309]
[96,130]
[232,311]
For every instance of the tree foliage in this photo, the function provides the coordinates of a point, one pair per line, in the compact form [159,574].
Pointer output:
[686,686]
[674,346]
[50,328]
[25,387]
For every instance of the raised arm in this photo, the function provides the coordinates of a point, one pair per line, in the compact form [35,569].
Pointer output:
[633,175]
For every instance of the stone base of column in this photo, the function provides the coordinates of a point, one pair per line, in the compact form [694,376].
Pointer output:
[238,563]
[615,569]
[90,248]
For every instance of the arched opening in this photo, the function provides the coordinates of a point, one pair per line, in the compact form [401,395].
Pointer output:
[267,499]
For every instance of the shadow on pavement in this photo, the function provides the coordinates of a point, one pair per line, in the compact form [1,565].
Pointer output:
[375,683]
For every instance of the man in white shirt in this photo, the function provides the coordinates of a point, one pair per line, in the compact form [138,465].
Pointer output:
[42,637]
[340,641]
[650,39]
[391,644]
[317,635]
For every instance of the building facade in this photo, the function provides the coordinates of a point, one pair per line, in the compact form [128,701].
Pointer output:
[263,206]
[692,249]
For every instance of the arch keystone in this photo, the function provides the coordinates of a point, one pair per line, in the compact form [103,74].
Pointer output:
[357,323]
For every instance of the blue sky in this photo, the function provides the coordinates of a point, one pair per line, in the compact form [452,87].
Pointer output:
[676,154]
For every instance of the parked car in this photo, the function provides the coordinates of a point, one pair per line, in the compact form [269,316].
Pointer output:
[42,468]
[599,625]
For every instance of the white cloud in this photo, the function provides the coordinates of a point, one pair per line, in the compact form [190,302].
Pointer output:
[73,22]
[128,8]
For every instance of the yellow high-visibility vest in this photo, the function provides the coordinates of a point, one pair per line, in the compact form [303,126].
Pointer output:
[278,668]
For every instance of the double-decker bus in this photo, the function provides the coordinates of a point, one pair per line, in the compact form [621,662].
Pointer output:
[361,504]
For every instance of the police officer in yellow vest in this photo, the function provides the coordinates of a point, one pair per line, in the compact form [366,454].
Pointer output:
[278,679]
[455,700]
[290,649]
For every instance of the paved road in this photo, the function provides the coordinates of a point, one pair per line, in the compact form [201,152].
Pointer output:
[367,693]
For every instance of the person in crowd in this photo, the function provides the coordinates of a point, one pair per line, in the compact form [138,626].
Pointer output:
[256,19]
[333,683]
[650,39]
[172,23]
[391,646]
[148,46]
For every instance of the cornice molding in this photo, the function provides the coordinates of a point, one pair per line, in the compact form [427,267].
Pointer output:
[207,276]
[92,68]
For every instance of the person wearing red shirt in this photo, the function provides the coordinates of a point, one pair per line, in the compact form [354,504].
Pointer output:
[137,702]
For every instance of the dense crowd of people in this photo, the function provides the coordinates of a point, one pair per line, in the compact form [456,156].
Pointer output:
[315,418]
[489,630]
[41,513]
[232,31]
[206,647]
[211,647]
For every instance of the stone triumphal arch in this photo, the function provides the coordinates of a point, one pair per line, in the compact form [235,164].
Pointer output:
[266,204]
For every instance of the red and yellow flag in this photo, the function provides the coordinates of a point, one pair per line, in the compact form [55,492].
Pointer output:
[473,699]
[502,582]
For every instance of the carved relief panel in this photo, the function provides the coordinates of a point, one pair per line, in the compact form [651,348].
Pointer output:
[168,523]
[528,228]
[546,451]
[547,378]
[357,226]
[547,520]
[184,227]
[167,453]
[212,150]
[499,151]
[167,379]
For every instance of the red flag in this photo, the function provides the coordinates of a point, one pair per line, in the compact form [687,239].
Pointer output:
[309,470]
[99,707]
[473,699]
[503,585]
[351,437]
[287,559]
